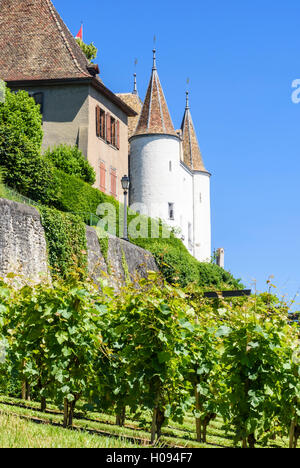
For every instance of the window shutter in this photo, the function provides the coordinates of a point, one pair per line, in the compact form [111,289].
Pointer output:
[108,128]
[118,135]
[102,176]
[98,121]
[113,182]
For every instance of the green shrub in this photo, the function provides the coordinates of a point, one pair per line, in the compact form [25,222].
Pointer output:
[2,186]
[20,144]
[70,160]
[78,197]
[20,113]
[66,242]
[179,266]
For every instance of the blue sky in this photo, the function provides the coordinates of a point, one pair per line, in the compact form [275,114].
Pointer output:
[241,58]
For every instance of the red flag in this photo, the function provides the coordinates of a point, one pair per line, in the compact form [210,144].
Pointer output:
[80,33]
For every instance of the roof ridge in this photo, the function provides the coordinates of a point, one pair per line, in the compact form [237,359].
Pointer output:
[53,13]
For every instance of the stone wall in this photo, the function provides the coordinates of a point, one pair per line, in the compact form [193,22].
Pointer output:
[22,241]
[23,249]
[123,260]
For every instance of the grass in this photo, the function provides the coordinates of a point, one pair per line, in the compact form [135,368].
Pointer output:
[18,433]
[94,429]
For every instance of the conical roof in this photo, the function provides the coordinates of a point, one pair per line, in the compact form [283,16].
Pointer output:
[155,117]
[36,44]
[192,156]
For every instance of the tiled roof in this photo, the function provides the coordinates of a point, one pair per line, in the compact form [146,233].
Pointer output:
[192,156]
[155,116]
[133,101]
[35,44]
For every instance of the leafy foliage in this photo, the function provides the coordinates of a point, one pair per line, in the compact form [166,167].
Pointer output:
[179,266]
[89,50]
[71,160]
[66,242]
[157,348]
[55,338]
[20,144]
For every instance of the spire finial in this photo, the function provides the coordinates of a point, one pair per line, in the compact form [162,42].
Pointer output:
[187,100]
[154,59]
[135,91]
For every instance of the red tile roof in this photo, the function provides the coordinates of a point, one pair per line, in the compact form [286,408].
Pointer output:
[35,44]
[155,116]
[192,156]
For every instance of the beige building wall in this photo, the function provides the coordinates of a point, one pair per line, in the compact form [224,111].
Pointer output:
[65,114]
[69,116]
[101,151]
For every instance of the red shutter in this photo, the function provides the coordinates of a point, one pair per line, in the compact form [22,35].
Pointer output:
[102,176]
[103,122]
[118,134]
[98,121]
[113,182]
[108,128]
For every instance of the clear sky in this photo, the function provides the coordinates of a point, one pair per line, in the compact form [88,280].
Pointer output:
[241,58]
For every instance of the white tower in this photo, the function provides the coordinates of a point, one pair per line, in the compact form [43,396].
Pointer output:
[192,158]
[154,157]
[168,177]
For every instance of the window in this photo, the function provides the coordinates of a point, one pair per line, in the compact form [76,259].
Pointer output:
[100,123]
[113,131]
[113,182]
[170,166]
[200,197]
[171,211]
[102,176]
[107,128]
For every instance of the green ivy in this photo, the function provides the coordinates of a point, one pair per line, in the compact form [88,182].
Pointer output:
[66,241]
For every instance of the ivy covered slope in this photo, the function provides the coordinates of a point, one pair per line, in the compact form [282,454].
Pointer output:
[61,179]
[179,266]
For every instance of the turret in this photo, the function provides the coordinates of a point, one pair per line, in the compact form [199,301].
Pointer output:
[192,159]
[154,157]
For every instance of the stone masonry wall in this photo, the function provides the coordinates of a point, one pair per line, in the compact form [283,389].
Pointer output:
[23,249]
[22,241]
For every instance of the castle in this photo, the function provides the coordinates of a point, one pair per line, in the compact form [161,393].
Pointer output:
[167,174]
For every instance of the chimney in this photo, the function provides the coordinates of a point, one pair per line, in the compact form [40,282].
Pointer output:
[221,258]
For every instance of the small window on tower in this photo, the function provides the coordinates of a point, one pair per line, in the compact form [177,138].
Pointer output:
[171,211]
[200,197]
[170,166]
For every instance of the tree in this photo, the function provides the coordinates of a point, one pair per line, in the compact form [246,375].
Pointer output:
[20,145]
[70,160]
[89,50]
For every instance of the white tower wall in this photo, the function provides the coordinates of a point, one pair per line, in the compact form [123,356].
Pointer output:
[202,217]
[186,203]
[154,174]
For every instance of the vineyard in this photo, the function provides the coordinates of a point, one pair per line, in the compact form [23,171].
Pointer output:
[151,365]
